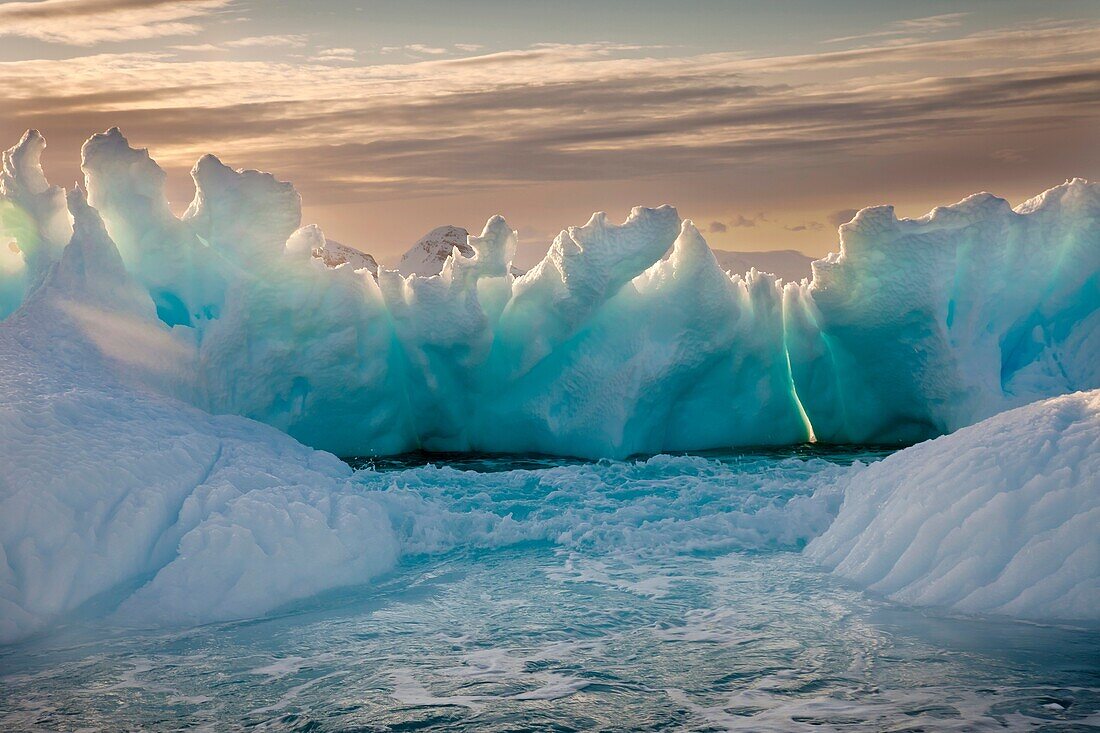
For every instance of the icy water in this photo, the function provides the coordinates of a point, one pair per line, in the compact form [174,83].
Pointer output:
[539,594]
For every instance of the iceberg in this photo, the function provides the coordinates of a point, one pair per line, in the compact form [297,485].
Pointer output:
[34,221]
[998,518]
[626,338]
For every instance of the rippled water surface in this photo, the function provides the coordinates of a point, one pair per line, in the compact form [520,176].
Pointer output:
[541,594]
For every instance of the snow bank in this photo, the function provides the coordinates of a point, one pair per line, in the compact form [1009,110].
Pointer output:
[1000,517]
[608,347]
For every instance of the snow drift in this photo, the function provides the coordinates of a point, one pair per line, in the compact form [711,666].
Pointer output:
[607,347]
[999,517]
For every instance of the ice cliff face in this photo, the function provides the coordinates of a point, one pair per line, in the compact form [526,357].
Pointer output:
[920,327]
[607,347]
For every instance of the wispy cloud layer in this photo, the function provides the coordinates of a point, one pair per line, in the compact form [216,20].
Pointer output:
[88,22]
[588,113]
[914,27]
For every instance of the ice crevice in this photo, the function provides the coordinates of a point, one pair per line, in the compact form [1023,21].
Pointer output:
[165,381]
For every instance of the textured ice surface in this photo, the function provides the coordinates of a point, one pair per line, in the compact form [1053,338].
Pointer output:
[1000,517]
[625,338]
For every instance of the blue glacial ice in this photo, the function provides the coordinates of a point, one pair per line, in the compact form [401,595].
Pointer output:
[607,347]
[626,338]
[162,377]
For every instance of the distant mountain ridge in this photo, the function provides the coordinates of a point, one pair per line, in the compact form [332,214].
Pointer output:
[334,254]
[788,264]
[427,256]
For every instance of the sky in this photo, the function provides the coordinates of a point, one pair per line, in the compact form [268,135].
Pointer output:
[767,123]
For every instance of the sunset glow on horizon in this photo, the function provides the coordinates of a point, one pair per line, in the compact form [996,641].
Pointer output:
[767,126]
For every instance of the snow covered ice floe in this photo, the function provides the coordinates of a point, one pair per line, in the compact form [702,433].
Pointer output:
[1000,517]
[107,486]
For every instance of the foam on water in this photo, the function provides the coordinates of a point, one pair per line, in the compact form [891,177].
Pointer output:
[507,620]
[771,499]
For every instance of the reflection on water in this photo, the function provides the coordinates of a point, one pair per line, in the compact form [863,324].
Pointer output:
[642,626]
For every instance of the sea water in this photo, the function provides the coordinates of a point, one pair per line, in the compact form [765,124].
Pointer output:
[537,594]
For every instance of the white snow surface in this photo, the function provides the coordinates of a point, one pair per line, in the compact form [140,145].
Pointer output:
[1000,517]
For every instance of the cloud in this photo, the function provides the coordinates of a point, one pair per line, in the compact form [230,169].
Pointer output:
[290,41]
[415,48]
[271,41]
[544,54]
[810,226]
[915,26]
[197,47]
[717,227]
[88,22]
[468,46]
[859,124]
[843,216]
[336,54]
[1009,155]
[743,221]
